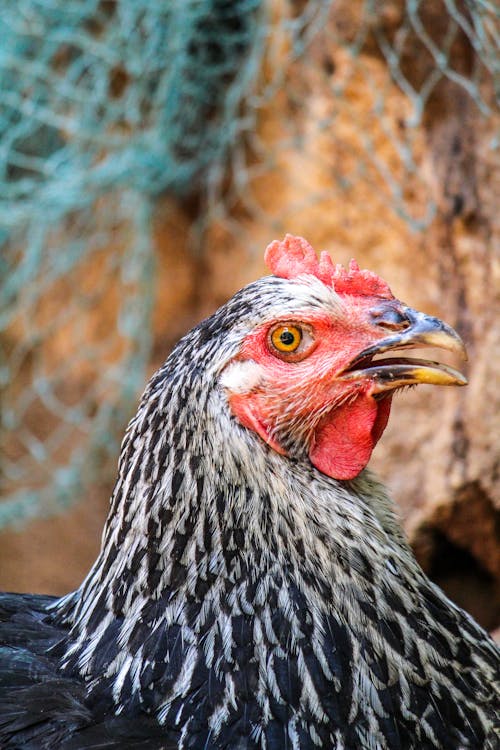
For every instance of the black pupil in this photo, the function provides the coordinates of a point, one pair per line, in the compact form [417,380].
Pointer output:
[287,338]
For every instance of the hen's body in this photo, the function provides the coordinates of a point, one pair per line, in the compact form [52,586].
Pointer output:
[242,600]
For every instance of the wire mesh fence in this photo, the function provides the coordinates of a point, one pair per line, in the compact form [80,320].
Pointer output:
[107,107]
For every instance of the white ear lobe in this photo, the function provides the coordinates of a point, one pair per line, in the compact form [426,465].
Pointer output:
[241,377]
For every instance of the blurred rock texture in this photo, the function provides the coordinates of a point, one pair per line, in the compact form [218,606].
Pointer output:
[339,154]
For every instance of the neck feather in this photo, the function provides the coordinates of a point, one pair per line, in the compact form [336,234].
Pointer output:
[207,524]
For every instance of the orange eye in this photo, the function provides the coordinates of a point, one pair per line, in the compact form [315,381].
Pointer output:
[291,341]
[286,338]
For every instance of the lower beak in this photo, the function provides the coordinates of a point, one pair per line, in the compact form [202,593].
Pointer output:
[391,373]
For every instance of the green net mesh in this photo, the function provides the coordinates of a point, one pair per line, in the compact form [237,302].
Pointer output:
[106,106]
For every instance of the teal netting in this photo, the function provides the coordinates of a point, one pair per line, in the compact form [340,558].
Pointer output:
[103,106]
[106,105]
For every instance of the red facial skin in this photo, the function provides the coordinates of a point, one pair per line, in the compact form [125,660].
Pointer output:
[303,402]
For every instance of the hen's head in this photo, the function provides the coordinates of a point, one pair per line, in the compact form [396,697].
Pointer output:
[308,377]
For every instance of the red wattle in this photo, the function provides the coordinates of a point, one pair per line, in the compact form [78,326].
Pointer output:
[345,438]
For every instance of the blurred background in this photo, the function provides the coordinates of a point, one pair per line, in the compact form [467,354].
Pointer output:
[150,150]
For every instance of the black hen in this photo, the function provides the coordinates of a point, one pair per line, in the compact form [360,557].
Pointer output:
[254,590]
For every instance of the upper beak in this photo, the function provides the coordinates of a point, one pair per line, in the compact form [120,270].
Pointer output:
[417,330]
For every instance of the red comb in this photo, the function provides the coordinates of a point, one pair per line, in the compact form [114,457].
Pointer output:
[294,256]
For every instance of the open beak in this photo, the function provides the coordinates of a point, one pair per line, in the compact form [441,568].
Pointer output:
[388,374]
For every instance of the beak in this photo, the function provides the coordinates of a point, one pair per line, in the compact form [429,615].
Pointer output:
[391,373]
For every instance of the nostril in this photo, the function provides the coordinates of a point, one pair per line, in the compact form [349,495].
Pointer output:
[390,319]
